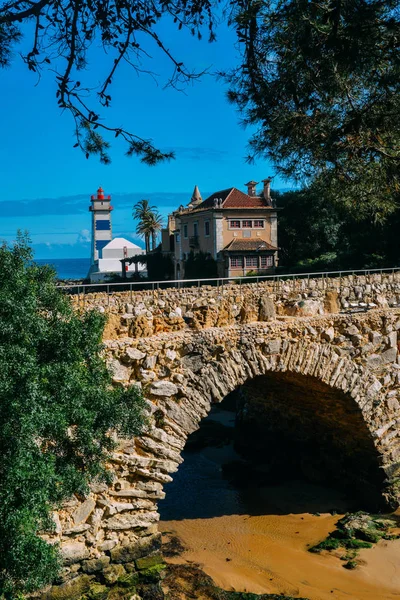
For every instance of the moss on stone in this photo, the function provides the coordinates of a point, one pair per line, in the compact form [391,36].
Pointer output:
[97,591]
[149,561]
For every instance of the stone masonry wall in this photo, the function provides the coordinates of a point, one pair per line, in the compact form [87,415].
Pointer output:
[113,533]
[145,313]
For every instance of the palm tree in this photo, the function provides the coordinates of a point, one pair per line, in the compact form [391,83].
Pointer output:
[143,212]
[155,224]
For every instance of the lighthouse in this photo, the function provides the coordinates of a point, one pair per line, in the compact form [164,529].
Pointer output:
[100,208]
[107,253]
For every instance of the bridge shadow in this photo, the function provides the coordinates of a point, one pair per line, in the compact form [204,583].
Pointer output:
[267,467]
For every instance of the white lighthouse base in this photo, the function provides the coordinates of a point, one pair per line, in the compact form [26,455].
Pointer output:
[110,263]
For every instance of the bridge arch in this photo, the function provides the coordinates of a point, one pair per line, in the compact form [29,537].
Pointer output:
[216,367]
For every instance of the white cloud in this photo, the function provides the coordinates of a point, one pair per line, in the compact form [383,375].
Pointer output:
[84,236]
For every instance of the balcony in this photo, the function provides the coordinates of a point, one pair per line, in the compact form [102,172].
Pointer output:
[194,242]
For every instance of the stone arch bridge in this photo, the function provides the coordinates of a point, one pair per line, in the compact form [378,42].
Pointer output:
[318,362]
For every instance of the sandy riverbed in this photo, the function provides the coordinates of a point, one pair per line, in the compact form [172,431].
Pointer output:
[256,539]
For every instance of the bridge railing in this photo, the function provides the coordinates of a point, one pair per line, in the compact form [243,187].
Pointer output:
[276,281]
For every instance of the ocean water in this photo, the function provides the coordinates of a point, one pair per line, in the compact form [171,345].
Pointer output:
[68,268]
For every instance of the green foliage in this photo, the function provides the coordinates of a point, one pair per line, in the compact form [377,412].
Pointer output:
[320,84]
[159,266]
[149,222]
[57,407]
[315,233]
[200,265]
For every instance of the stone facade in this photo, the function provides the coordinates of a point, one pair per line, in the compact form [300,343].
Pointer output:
[188,349]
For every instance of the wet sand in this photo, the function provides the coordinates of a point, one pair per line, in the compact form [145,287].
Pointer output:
[256,539]
[268,554]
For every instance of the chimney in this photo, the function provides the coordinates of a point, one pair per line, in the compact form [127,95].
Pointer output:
[267,190]
[251,188]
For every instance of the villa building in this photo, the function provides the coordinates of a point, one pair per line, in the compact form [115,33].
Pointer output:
[239,230]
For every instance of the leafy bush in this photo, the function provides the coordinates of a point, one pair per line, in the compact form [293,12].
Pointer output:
[57,407]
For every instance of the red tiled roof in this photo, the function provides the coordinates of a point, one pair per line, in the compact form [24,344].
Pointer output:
[248,245]
[234,198]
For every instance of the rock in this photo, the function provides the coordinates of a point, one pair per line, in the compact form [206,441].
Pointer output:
[150,362]
[381,301]
[95,564]
[163,388]
[142,547]
[170,355]
[389,355]
[133,355]
[305,308]
[392,337]
[331,302]
[73,552]
[274,347]
[71,590]
[375,337]
[267,309]
[112,573]
[98,591]
[84,510]
[149,561]
[119,372]
[194,362]
[328,335]
[374,361]
[124,521]
[352,330]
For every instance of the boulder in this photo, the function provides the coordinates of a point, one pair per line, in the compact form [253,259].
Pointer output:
[331,302]
[163,388]
[266,309]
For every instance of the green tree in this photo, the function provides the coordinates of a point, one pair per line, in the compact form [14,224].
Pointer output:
[142,212]
[62,35]
[309,228]
[155,224]
[149,223]
[57,411]
[320,81]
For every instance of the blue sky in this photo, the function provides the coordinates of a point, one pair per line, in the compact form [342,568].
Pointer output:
[46,183]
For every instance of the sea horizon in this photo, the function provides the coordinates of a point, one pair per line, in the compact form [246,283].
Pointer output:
[67,268]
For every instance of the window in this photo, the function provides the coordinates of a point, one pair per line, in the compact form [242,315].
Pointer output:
[236,262]
[177,238]
[251,261]
[185,231]
[234,224]
[247,224]
[267,261]
[195,229]
[207,228]
[259,224]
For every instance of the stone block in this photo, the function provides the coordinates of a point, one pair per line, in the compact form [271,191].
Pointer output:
[266,309]
[84,510]
[112,573]
[149,561]
[163,388]
[142,547]
[73,552]
[71,590]
[95,564]
[331,302]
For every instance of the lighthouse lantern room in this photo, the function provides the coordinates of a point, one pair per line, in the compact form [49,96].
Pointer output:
[101,223]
